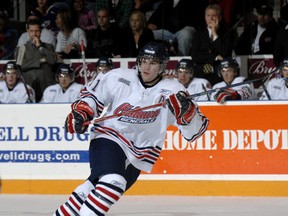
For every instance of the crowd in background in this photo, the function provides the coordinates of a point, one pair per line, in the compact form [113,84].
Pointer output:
[205,30]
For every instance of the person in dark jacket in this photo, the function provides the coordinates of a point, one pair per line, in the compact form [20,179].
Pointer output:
[260,36]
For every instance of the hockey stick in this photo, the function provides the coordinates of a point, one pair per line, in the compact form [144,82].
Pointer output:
[207,92]
[84,61]
[125,113]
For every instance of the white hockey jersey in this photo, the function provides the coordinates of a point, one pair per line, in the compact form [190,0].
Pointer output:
[246,91]
[198,85]
[277,90]
[19,93]
[140,134]
[55,94]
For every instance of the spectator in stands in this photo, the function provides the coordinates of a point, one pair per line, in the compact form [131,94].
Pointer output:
[138,34]
[277,88]
[259,37]
[66,90]
[107,39]
[175,22]
[87,18]
[12,88]
[8,38]
[119,10]
[36,59]
[212,44]
[47,36]
[281,43]
[42,7]
[229,70]
[185,73]
[70,36]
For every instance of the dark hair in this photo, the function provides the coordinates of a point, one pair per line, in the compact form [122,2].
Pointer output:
[69,18]
[34,22]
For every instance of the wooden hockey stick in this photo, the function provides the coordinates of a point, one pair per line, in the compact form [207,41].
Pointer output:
[207,92]
[125,113]
[84,61]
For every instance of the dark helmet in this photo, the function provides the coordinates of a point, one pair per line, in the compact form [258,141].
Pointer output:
[104,62]
[186,64]
[284,64]
[65,69]
[229,62]
[155,51]
[12,65]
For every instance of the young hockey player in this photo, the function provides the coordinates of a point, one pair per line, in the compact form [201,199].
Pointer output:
[121,147]
[66,90]
[229,70]
[185,70]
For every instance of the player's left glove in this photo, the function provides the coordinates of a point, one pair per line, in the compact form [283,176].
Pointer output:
[227,94]
[81,112]
[183,108]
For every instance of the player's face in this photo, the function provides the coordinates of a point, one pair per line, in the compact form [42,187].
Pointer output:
[285,72]
[184,75]
[228,74]
[149,69]
[102,69]
[64,80]
[11,77]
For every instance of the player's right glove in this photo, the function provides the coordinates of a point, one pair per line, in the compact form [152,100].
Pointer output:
[227,94]
[183,108]
[81,112]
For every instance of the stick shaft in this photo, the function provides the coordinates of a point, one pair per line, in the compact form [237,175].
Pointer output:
[125,113]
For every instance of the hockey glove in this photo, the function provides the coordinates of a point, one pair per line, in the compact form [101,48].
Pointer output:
[182,108]
[81,112]
[227,94]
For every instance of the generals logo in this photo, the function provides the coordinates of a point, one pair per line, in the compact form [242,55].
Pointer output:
[136,117]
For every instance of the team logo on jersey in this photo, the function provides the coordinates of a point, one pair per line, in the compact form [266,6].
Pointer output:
[136,117]
[165,91]
[125,81]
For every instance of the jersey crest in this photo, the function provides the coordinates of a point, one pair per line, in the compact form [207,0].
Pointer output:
[136,117]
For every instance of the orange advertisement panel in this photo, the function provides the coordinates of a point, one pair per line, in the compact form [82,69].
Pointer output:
[241,139]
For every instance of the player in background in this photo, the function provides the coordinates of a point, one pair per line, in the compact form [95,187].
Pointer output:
[277,88]
[12,87]
[185,69]
[103,65]
[229,70]
[66,90]
[121,147]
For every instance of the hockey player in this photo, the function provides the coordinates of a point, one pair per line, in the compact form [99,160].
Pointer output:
[277,88]
[103,65]
[12,88]
[121,147]
[185,70]
[229,70]
[66,90]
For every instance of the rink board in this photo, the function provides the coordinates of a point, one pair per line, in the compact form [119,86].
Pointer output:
[244,152]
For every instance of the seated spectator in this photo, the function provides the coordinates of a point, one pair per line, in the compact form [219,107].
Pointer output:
[185,73]
[36,59]
[280,51]
[41,7]
[175,22]
[138,34]
[277,88]
[12,88]
[259,37]
[70,36]
[47,36]
[212,44]
[66,90]
[229,70]
[107,39]
[8,38]
[87,18]
[119,11]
